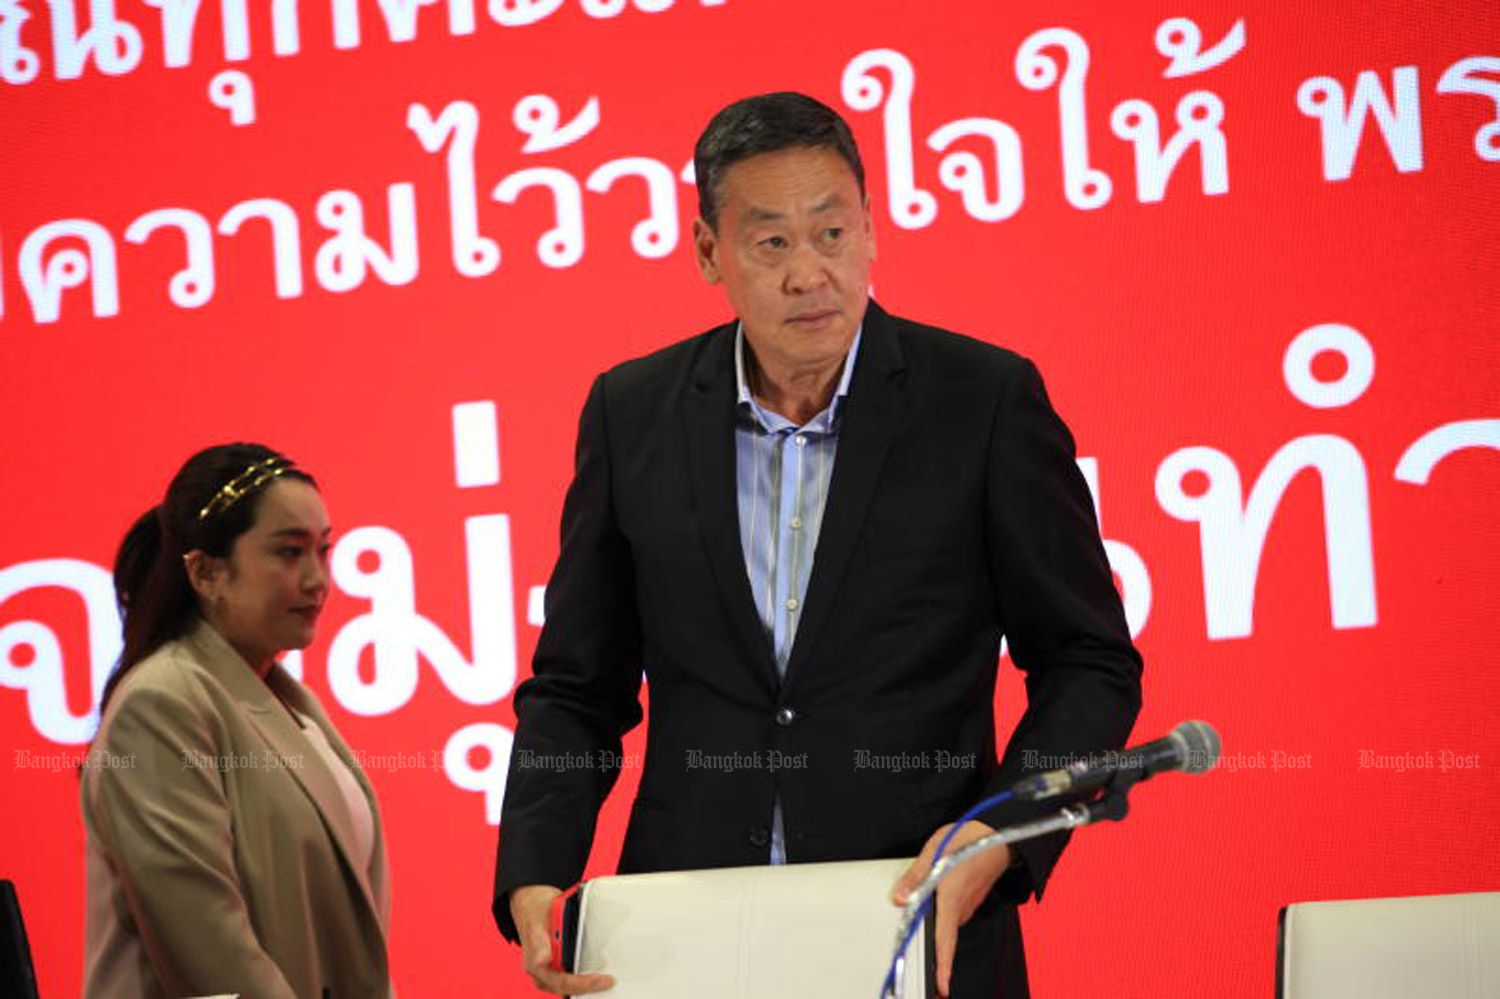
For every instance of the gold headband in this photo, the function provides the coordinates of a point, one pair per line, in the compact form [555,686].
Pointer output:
[245,483]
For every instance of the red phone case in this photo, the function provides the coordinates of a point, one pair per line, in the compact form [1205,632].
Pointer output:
[555,926]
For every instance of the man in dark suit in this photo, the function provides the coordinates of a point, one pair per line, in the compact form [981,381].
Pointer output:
[811,529]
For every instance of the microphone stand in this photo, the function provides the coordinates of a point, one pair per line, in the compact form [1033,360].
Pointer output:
[1112,805]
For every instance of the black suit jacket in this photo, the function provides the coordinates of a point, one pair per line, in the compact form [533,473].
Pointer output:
[956,514]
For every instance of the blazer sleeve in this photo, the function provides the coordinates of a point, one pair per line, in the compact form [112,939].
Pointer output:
[584,692]
[1061,613]
[165,828]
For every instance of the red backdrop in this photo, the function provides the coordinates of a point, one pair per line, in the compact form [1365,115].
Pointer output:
[1270,321]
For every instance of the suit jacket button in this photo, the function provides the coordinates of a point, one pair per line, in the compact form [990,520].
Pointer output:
[785,716]
[759,836]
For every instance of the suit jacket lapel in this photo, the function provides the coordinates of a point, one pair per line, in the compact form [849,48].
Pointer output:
[867,422]
[282,736]
[709,413]
[374,883]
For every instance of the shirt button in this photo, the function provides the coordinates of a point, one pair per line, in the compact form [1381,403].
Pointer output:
[796,523]
[791,604]
[801,440]
[759,836]
[785,716]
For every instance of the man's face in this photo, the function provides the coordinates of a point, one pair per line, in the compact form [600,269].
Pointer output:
[793,252]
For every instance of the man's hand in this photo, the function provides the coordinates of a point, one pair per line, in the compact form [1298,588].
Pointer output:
[530,907]
[960,892]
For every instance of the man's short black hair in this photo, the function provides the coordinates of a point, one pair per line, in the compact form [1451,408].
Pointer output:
[767,123]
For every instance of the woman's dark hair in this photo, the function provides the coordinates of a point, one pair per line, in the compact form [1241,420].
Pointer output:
[151,582]
[767,123]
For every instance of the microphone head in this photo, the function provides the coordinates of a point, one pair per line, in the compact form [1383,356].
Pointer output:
[1200,746]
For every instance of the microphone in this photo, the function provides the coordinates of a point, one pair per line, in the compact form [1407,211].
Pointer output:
[1192,746]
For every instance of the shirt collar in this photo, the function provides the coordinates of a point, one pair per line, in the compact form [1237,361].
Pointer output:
[839,394]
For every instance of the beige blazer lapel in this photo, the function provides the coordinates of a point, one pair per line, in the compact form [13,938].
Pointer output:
[374,882]
[282,736]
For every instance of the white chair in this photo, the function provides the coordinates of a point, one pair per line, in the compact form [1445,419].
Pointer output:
[824,930]
[1422,947]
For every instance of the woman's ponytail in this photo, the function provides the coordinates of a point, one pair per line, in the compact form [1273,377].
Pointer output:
[137,557]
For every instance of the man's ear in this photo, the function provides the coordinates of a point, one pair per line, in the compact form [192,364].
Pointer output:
[706,250]
[204,573]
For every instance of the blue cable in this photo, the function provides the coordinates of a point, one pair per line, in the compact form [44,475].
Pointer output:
[985,805]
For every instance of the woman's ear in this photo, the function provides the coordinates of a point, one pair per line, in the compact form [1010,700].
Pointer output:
[204,573]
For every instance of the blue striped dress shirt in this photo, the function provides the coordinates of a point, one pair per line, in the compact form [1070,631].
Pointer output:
[782,472]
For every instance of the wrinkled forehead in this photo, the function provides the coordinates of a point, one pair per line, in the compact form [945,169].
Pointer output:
[787,183]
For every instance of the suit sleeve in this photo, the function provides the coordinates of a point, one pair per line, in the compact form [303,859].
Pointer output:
[1061,613]
[584,692]
[165,827]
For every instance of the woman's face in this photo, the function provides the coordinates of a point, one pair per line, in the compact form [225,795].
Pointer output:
[269,592]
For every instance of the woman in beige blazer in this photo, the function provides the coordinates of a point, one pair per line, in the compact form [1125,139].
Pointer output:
[233,843]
